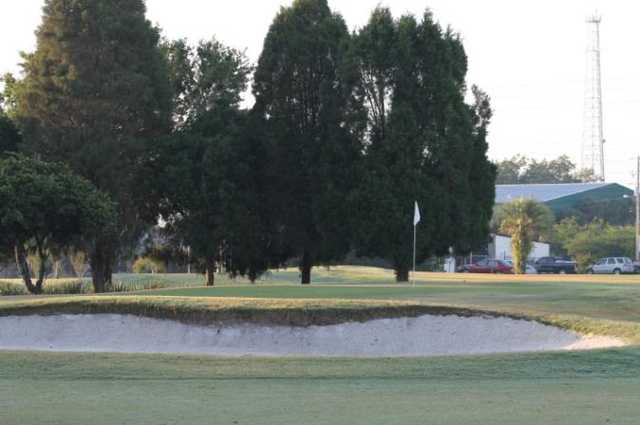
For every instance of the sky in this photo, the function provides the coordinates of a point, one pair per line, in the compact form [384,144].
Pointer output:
[529,56]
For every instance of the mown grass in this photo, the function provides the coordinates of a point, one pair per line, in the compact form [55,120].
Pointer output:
[74,389]
[585,388]
[338,275]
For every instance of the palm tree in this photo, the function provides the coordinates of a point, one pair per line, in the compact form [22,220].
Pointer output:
[526,221]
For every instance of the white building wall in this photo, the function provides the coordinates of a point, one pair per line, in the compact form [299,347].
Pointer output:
[500,249]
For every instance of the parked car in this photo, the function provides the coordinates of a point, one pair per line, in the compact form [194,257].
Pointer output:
[555,265]
[612,265]
[487,266]
[530,268]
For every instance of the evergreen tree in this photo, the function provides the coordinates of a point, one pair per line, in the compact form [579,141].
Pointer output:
[9,135]
[482,174]
[430,148]
[208,178]
[303,88]
[93,91]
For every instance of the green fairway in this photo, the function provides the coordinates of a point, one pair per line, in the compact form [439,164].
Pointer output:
[569,388]
[599,297]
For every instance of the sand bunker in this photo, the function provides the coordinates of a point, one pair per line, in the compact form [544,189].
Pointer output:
[407,337]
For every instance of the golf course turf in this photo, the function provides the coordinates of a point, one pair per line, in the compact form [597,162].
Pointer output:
[597,387]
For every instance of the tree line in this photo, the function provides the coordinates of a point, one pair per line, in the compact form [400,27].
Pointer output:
[522,170]
[348,130]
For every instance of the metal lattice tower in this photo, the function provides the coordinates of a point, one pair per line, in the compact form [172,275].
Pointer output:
[593,136]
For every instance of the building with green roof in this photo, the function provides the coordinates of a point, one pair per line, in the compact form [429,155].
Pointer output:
[563,197]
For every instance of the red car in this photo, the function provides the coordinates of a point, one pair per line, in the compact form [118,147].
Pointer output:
[488,266]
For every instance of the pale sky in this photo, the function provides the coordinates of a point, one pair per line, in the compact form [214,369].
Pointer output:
[528,55]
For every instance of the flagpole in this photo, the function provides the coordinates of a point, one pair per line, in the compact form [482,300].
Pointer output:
[415,230]
[416,221]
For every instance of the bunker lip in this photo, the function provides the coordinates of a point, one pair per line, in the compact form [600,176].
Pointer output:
[226,311]
[422,336]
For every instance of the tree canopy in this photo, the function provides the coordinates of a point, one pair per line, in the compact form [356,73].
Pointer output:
[347,132]
[9,135]
[303,89]
[424,143]
[523,170]
[207,179]
[44,207]
[93,91]
[591,241]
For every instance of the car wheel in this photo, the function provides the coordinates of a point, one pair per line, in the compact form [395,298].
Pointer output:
[617,271]
[563,272]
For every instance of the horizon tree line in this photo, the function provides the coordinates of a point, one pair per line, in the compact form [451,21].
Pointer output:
[348,130]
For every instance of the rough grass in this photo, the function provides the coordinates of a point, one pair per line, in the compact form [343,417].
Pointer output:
[231,310]
[121,283]
[592,388]
[52,287]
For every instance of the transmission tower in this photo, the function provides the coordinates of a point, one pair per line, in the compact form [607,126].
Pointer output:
[593,136]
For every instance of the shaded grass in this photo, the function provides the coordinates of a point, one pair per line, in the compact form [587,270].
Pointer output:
[565,388]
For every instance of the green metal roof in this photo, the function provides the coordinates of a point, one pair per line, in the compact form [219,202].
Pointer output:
[561,196]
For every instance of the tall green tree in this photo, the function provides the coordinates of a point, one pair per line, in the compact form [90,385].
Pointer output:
[208,177]
[9,135]
[45,208]
[525,221]
[428,145]
[303,87]
[93,91]
[482,173]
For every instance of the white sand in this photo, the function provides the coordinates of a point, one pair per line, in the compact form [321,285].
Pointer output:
[407,337]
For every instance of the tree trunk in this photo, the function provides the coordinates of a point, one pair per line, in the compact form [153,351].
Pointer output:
[402,274]
[42,269]
[101,268]
[211,271]
[25,272]
[253,276]
[305,268]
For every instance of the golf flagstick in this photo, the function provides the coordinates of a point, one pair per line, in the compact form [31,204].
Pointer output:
[416,220]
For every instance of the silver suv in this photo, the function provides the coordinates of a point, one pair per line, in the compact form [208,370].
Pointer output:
[612,265]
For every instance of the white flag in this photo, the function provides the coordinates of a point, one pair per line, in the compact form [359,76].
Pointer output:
[416,216]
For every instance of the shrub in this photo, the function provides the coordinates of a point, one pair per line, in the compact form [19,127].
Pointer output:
[148,265]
